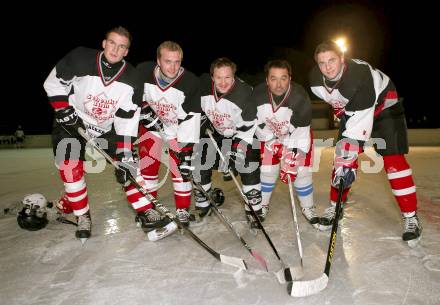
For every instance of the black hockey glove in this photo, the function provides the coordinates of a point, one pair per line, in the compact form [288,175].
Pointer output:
[345,168]
[128,166]
[68,118]
[237,154]
[205,125]
[149,119]
[185,166]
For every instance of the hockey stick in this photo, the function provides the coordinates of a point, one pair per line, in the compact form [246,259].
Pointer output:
[219,213]
[229,260]
[306,288]
[280,274]
[295,219]
[287,274]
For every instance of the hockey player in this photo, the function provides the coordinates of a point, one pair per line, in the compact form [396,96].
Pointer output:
[366,102]
[171,114]
[99,92]
[283,118]
[231,118]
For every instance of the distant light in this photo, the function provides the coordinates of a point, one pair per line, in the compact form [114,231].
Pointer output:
[341,42]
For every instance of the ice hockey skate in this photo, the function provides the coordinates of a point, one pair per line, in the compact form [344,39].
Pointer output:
[155,225]
[84,230]
[326,221]
[412,232]
[311,216]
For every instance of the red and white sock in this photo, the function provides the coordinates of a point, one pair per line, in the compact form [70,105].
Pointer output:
[402,184]
[72,174]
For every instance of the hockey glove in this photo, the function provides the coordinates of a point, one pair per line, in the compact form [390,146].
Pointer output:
[68,118]
[344,167]
[272,145]
[149,119]
[185,167]
[289,166]
[338,112]
[127,167]
[237,154]
[205,125]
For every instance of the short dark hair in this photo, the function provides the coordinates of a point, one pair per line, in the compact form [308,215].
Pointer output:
[222,62]
[326,46]
[277,63]
[121,31]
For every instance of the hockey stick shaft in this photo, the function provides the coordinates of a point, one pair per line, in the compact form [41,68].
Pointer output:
[219,213]
[225,259]
[306,288]
[295,219]
[254,214]
[332,242]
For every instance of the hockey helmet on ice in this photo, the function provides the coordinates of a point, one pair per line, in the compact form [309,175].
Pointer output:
[33,215]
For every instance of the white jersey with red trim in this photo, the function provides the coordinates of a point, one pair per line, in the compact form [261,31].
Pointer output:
[361,93]
[288,121]
[77,80]
[231,114]
[177,104]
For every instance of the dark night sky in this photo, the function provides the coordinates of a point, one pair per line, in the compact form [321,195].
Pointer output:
[377,32]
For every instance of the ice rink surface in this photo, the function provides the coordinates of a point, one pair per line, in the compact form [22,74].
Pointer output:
[118,265]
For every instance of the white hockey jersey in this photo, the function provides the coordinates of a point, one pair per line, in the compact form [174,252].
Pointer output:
[77,80]
[231,114]
[177,105]
[362,91]
[289,121]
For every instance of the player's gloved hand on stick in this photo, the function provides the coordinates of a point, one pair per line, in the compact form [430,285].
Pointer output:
[289,166]
[68,118]
[149,119]
[127,167]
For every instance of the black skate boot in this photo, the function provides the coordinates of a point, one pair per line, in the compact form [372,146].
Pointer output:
[203,208]
[184,217]
[412,231]
[254,198]
[150,220]
[326,221]
[311,216]
[84,230]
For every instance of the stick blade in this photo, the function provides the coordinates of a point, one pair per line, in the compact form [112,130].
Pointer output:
[163,232]
[306,288]
[233,261]
[289,274]
[260,260]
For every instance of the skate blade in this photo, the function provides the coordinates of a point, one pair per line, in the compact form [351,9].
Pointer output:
[163,232]
[83,240]
[414,242]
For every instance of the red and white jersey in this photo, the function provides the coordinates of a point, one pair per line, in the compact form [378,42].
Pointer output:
[177,104]
[101,103]
[231,114]
[362,92]
[288,121]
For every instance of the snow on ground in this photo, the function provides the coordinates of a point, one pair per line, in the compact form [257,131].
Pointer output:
[118,265]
